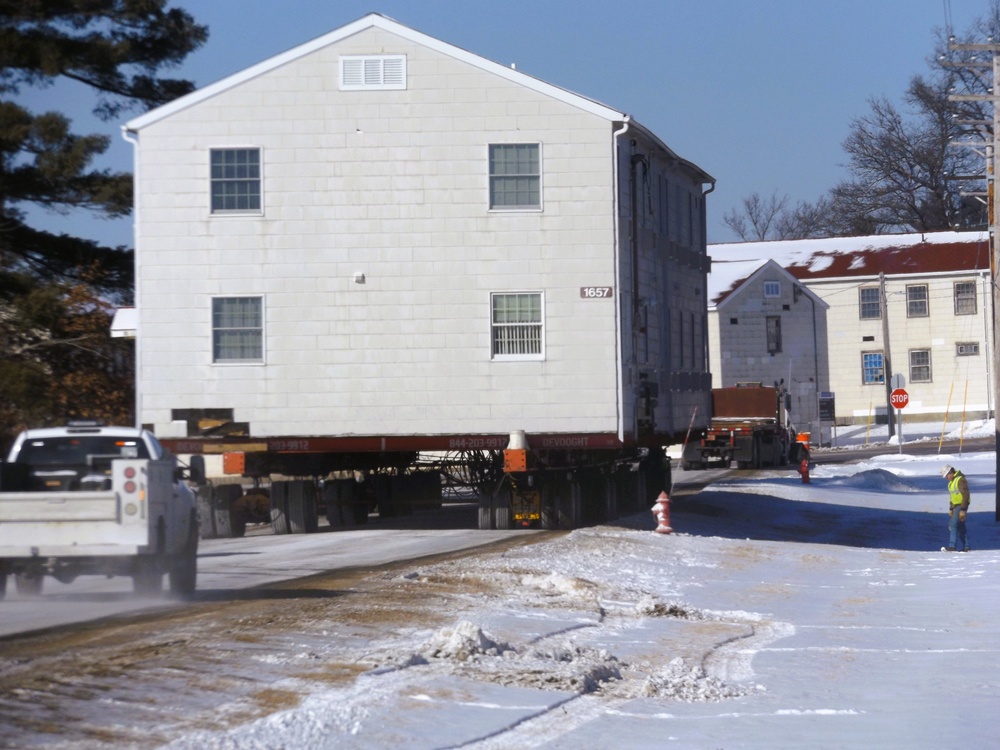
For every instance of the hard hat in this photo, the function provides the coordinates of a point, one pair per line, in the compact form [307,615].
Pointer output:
[946,470]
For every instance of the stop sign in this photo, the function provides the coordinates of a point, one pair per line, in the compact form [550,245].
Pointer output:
[899,398]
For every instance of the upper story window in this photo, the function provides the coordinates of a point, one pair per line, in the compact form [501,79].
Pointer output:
[772,289]
[235,180]
[916,301]
[517,328]
[373,72]
[238,329]
[515,176]
[965,298]
[870,306]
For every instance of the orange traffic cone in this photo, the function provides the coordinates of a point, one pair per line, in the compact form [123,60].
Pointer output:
[661,512]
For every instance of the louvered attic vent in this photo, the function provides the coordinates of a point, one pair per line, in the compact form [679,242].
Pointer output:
[376,72]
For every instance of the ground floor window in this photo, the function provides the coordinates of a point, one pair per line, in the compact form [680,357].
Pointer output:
[517,325]
[238,329]
[920,365]
[872,368]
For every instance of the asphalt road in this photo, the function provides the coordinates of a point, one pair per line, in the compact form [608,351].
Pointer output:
[229,566]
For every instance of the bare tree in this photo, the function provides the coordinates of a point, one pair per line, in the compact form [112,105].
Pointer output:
[757,218]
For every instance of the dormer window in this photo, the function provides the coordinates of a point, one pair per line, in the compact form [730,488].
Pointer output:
[372,72]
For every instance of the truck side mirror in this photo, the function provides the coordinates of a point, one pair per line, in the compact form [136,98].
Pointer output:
[198,469]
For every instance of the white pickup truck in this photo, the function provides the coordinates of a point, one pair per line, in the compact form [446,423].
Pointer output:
[93,500]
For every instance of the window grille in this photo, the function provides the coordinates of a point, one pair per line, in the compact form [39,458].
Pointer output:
[965,298]
[916,301]
[872,368]
[235,179]
[517,328]
[515,176]
[920,366]
[871,308]
[237,329]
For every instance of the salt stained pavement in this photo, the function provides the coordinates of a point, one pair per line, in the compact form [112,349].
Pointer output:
[777,615]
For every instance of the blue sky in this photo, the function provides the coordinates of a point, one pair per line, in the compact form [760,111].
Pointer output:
[759,93]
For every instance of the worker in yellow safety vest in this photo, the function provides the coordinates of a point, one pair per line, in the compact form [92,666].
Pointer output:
[958,507]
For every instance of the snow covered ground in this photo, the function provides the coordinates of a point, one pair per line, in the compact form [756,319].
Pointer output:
[777,615]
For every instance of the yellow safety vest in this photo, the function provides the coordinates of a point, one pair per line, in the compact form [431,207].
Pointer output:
[956,495]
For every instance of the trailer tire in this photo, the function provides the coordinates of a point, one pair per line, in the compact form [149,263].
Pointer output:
[3,580]
[279,507]
[487,522]
[302,515]
[184,573]
[503,513]
[29,583]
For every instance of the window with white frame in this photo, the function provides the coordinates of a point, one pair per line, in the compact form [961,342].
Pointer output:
[515,175]
[773,334]
[517,327]
[235,177]
[772,289]
[916,301]
[372,72]
[870,305]
[920,365]
[238,329]
[965,298]
[872,368]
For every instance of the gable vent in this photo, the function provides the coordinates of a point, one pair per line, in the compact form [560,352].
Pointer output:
[373,72]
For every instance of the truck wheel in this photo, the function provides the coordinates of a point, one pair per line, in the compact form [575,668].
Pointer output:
[28,584]
[184,573]
[147,576]
[302,516]
[3,580]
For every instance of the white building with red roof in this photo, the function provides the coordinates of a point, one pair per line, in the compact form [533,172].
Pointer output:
[933,289]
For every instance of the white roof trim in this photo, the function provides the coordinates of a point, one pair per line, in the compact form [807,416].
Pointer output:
[764,265]
[372,20]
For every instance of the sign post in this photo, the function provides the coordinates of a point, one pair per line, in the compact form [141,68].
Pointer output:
[899,398]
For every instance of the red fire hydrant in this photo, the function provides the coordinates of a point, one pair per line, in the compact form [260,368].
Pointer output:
[804,470]
[661,512]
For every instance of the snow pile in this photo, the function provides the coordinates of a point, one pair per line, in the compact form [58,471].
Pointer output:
[681,682]
[463,642]
[877,480]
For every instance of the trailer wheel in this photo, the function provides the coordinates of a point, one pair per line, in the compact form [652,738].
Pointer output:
[279,507]
[503,512]
[184,573]
[3,580]
[29,583]
[301,506]
[486,520]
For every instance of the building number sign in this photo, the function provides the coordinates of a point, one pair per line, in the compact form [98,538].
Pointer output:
[596,292]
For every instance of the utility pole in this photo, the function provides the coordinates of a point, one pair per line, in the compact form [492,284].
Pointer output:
[993,196]
[886,358]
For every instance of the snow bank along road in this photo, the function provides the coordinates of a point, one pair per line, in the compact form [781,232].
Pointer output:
[778,616]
